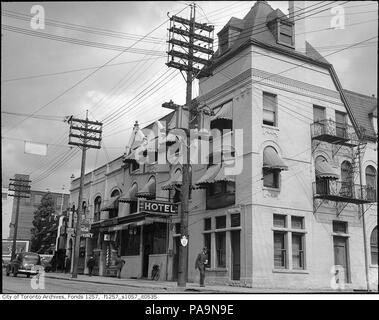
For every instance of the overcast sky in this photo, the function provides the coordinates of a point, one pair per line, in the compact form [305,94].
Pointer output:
[112,88]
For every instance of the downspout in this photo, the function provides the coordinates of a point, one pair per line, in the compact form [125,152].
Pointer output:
[361,207]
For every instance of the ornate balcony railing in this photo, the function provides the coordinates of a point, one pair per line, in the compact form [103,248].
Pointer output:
[334,132]
[343,191]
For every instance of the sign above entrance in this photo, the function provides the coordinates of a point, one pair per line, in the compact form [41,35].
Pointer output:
[184,241]
[157,207]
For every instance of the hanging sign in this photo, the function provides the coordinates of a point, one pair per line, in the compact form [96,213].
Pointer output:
[158,207]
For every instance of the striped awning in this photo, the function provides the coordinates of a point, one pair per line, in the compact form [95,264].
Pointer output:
[272,160]
[131,194]
[226,112]
[174,181]
[222,177]
[148,190]
[112,204]
[325,170]
[208,177]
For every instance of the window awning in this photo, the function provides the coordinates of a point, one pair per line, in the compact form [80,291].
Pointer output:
[174,181]
[222,177]
[143,220]
[325,170]
[208,177]
[272,160]
[226,112]
[148,190]
[131,194]
[112,204]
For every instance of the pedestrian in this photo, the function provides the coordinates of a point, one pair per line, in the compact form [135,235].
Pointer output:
[201,261]
[90,264]
[67,264]
[119,264]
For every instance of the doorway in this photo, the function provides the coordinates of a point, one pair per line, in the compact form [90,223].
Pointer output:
[175,261]
[235,240]
[341,255]
[147,249]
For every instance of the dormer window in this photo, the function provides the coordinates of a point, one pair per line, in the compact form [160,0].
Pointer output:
[229,34]
[286,34]
[282,28]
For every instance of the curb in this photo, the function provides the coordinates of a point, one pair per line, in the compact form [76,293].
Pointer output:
[133,285]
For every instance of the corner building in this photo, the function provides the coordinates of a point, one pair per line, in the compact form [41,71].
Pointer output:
[301,210]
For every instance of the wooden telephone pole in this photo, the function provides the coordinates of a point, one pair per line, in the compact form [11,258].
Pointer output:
[21,188]
[192,64]
[82,132]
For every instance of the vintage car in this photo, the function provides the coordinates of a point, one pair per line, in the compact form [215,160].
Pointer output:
[28,263]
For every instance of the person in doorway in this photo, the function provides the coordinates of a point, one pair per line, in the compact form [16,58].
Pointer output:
[119,264]
[67,264]
[90,264]
[201,261]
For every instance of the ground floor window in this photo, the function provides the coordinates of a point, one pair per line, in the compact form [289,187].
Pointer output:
[159,238]
[280,250]
[221,249]
[297,251]
[130,241]
[207,244]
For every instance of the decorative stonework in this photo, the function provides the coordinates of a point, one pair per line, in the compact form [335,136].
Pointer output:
[272,132]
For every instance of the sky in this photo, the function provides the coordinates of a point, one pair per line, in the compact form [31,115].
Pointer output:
[54,79]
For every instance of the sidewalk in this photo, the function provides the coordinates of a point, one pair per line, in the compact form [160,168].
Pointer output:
[171,286]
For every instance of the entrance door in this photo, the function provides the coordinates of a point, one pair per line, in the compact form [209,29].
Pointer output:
[147,249]
[175,262]
[340,255]
[236,254]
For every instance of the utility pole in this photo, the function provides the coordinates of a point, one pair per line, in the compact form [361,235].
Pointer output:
[192,65]
[81,133]
[21,188]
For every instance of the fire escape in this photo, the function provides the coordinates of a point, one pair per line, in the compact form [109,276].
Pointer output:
[345,191]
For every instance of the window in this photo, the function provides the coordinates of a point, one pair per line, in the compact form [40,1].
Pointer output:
[271,178]
[207,224]
[97,206]
[295,235]
[221,222]
[371,183]
[221,249]
[297,251]
[220,195]
[135,166]
[297,222]
[285,34]
[177,228]
[346,179]
[115,193]
[374,246]
[339,227]
[130,241]
[269,109]
[207,244]
[341,124]
[280,221]
[114,211]
[235,220]
[318,113]
[280,251]
[159,238]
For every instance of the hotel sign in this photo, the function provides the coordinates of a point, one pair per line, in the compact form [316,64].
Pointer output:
[157,207]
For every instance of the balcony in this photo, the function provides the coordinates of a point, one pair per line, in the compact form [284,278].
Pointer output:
[340,191]
[334,132]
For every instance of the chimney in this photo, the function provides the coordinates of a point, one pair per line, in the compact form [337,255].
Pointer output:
[296,13]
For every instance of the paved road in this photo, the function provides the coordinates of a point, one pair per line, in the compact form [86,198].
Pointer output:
[22,284]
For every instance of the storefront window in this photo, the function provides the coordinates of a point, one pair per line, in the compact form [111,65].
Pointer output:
[130,241]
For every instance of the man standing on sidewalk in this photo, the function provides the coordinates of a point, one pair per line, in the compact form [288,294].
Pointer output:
[119,264]
[90,264]
[201,261]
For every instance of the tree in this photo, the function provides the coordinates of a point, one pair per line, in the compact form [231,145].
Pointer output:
[44,219]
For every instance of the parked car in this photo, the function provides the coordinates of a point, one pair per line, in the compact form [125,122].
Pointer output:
[27,263]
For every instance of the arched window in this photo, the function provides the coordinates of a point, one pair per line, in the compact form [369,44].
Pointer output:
[346,172]
[115,193]
[97,206]
[374,246]
[272,166]
[371,183]
[346,179]
[84,207]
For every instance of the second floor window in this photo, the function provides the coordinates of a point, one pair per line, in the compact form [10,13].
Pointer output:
[341,122]
[371,183]
[269,109]
[97,208]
